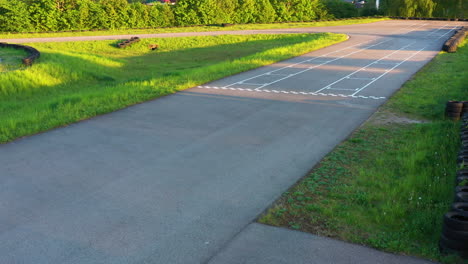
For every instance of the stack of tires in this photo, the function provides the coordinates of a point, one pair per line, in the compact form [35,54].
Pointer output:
[33,55]
[454,110]
[452,43]
[454,238]
[129,42]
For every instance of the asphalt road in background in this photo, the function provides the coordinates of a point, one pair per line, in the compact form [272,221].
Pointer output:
[181,179]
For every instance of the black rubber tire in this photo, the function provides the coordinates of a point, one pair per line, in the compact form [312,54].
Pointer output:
[455,235]
[452,48]
[460,207]
[463,151]
[456,220]
[462,161]
[446,243]
[462,158]
[453,109]
[462,197]
[462,180]
[454,104]
[452,114]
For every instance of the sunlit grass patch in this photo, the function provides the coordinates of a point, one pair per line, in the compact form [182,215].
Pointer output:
[11,59]
[77,80]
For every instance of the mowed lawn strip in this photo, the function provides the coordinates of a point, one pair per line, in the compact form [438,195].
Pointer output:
[11,59]
[77,80]
[390,183]
[193,29]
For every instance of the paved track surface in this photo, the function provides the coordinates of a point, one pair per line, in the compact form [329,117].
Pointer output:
[181,179]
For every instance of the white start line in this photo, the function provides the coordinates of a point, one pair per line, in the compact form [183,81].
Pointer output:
[291,92]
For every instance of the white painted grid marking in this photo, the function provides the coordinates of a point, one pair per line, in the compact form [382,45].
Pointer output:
[378,62]
[325,62]
[318,92]
[317,58]
[362,68]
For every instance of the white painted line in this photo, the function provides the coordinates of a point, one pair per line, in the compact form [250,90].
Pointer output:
[329,85]
[356,78]
[293,92]
[276,74]
[316,66]
[345,89]
[259,84]
[325,62]
[322,62]
[362,88]
[308,60]
[448,32]
[389,70]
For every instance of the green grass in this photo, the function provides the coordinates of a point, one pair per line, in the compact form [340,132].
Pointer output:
[389,184]
[10,59]
[76,80]
[194,29]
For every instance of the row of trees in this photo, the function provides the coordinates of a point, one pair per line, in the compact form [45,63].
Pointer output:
[54,15]
[425,8]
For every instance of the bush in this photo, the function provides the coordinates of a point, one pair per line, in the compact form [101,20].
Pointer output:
[341,9]
[54,15]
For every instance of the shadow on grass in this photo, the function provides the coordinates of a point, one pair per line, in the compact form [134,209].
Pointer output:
[64,88]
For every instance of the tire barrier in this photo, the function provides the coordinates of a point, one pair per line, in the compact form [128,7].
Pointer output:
[454,237]
[429,18]
[153,46]
[33,54]
[452,43]
[454,110]
[127,43]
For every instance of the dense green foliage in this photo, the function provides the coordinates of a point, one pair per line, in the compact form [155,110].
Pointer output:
[255,26]
[426,8]
[57,15]
[340,8]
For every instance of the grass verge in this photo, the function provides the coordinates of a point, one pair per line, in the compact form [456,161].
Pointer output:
[10,59]
[194,29]
[77,80]
[390,183]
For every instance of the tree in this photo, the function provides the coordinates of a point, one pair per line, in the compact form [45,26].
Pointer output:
[245,12]
[14,16]
[418,8]
[264,12]
[341,9]
[44,15]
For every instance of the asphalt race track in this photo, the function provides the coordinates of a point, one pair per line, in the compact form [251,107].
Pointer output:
[182,178]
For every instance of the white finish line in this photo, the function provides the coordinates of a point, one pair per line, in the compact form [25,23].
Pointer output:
[292,92]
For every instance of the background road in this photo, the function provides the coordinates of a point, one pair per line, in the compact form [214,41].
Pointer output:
[181,179]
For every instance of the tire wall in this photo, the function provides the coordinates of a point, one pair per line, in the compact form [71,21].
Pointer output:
[33,54]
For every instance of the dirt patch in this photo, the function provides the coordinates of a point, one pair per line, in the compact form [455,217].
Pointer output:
[386,118]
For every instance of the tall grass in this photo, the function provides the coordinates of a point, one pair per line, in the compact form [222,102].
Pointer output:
[388,185]
[77,80]
[10,59]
